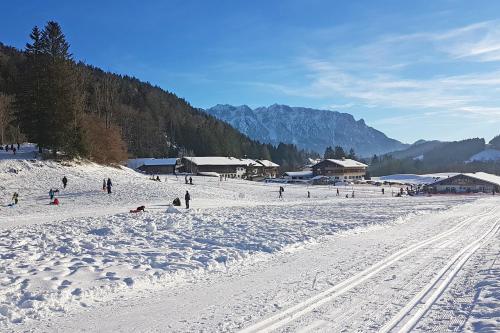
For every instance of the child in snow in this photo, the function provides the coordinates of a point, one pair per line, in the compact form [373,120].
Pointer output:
[55,202]
[138,209]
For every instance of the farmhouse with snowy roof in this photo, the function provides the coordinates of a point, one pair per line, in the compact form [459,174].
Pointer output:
[154,166]
[340,169]
[228,166]
[467,183]
[269,168]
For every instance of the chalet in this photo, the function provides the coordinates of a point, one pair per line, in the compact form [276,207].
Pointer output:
[228,166]
[342,170]
[154,166]
[467,183]
[269,168]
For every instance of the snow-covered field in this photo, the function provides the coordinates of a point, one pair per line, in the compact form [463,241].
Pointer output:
[240,258]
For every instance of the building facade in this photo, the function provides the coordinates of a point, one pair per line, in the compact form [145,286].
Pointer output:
[269,168]
[227,166]
[341,170]
[478,182]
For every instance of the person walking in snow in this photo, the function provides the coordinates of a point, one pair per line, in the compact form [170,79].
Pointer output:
[65,181]
[190,180]
[280,196]
[187,197]
[108,185]
[338,193]
[104,184]
[51,194]
[383,191]
[15,198]
[186,179]
[352,195]
[14,150]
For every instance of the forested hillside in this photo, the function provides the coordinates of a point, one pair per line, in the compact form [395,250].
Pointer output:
[437,157]
[64,105]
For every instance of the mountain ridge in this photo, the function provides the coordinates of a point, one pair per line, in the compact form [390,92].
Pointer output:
[308,128]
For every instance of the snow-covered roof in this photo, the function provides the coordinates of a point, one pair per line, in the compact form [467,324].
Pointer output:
[138,162]
[299,173]
[415,179]
[219,160]
[487,177]
[347,163]
[268,164]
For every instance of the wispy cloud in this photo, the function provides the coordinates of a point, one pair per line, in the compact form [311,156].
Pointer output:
[388,73]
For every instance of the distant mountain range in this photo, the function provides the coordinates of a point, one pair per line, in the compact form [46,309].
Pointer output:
[307,128]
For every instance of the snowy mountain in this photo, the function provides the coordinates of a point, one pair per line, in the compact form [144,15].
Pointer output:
[307,128]
[486,155]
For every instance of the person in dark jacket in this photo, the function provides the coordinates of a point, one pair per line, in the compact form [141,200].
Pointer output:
[65,181]
[108,185]
[104,184]
[187,197]
[190,180]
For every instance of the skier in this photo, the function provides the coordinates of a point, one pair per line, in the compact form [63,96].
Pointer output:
[187,197]
[108,185]
[104,185]
[65,181]
[190,180]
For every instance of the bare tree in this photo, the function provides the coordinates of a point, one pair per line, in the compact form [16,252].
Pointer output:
[6,103]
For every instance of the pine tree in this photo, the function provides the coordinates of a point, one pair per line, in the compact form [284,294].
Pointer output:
[352,154]
[62,99]
[329,153]
[339,152]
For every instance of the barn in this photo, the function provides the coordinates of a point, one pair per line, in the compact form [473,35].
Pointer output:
[228,166]
[340,169]
[478,182]
[269,168]
[154,166]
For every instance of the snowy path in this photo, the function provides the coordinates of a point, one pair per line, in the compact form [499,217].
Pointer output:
[389,278]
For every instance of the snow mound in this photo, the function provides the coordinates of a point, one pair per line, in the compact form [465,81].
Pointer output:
[172,210]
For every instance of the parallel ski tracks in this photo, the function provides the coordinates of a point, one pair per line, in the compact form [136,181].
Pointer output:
[288,315]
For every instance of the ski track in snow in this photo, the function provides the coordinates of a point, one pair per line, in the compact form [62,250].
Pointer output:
[88,251]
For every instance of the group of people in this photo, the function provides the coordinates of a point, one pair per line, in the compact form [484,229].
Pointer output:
[106,185]
[188,180]
[11,147]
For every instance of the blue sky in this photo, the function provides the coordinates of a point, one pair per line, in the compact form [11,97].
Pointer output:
[413,69]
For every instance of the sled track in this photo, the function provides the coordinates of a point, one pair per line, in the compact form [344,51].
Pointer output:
[435,288]
[282,318]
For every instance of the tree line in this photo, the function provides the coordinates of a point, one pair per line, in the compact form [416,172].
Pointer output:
[71,108]
[448,157]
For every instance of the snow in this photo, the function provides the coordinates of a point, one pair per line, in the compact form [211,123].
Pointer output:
[268,164]
[486,155]
[347,163]
[239,256]
[414,179]
[219,160]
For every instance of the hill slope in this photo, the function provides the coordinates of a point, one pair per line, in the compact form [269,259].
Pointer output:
[307,128]
[153,122]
